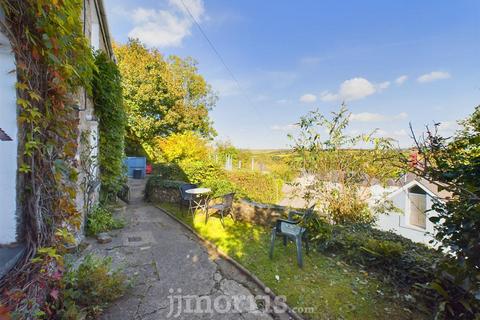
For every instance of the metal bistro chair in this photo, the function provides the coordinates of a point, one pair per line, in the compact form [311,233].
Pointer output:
[224,208]
[293,230]
[186,198]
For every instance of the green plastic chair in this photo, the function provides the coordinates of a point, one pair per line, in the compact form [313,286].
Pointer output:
[293,230]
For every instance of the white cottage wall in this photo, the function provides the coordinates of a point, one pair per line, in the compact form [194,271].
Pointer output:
[398,222]
[8,149]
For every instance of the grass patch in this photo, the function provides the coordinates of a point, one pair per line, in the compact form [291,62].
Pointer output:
[332,288]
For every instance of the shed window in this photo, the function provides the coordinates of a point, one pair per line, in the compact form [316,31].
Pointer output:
[417,198]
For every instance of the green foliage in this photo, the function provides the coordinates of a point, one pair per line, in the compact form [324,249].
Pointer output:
[345,206]
[199,171]
[256,186]
[53,63]
[341,175]
[178,147]
[221,186]
[107,98]
[90,287]
[454,165]
[100,219]
[409,266]
[159,182]
[162,96]
[185,156]
[383,249]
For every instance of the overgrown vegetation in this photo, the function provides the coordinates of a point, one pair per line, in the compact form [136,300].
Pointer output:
[90,287]
[108,102]
[256,186]
[53,60]
[454,165]
[337,179]
[101,219]
[407,265]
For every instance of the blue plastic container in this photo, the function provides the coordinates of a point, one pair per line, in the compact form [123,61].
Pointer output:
[134,164]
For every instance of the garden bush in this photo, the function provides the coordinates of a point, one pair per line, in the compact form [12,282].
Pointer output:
[100,219]
[221,186]
[256,186]
[168,171]
[154,183]
[90,287]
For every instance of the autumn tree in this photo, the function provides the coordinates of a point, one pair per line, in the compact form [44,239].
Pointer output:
[162,96]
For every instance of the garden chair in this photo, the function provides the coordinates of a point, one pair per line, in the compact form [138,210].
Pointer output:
[223,208]
[185,198]
[293,230]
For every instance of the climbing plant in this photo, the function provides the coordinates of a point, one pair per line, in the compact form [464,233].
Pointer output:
[54,61]
[107,97]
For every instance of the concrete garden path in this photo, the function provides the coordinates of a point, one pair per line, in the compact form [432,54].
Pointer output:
[161,256]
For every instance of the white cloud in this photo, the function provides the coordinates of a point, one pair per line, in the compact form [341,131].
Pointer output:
[433,76]
[195,7]
[165,28]
[328,96]
[354,89]
[376,117]
[383,85]
[400,80]
[308,98]
[288,127]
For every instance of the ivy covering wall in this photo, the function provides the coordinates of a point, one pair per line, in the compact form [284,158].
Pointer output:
[54,61]
[109,108]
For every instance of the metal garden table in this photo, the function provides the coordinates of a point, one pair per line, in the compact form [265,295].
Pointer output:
[199,199]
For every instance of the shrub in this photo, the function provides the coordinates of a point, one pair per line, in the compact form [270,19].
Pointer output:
[198,171]
[155,182]
[383,249]
[344,205]
[90,287]
[100,219]
[220,187]
[256,186]
[168,171]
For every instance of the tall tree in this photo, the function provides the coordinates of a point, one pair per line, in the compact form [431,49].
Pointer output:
[162,96]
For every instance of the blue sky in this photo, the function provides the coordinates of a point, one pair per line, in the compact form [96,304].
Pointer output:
[393,62]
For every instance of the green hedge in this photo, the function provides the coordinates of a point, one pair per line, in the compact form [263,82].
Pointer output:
[158,181]
[256,186]
[108,103]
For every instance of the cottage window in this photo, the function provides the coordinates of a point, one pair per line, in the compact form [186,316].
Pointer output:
[417,201]
[95,27]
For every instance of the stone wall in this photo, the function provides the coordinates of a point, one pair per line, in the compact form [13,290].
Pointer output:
[258,213]
[160,194]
